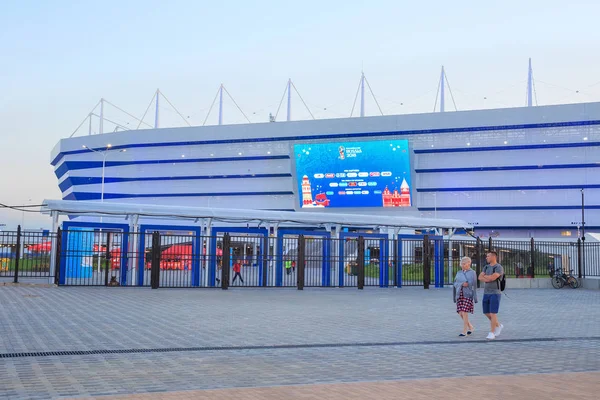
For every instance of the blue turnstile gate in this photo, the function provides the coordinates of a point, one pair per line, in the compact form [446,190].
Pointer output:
[84,250]
[377,265]
[254,268]
[180,259]
[410,256]
[317,268]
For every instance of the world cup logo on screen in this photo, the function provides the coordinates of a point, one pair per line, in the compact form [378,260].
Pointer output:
[342,150]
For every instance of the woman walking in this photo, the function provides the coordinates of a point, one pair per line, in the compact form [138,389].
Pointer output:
[465,294]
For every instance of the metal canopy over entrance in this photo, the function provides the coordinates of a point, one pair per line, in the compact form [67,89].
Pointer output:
[241,216]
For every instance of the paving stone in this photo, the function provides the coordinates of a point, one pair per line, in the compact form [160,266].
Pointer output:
[424,322]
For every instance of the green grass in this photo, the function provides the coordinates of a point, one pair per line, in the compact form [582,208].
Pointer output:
[410,272]
[42,264]
[30,264]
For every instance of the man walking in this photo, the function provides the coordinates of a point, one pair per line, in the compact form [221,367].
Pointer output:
[492,294]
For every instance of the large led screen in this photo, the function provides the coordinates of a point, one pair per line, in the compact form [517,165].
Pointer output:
[353,174]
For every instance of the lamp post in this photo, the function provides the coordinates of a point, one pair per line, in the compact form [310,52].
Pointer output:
[434,195]
[104,155]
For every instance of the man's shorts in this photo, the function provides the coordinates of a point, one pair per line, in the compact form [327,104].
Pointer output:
[491,303]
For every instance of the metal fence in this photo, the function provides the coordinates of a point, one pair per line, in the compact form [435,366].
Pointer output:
[25,254]
[162,259]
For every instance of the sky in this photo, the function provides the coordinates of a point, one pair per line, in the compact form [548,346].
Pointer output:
[60,57]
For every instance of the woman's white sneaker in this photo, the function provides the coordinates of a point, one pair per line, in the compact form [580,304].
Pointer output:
[498,330]
[491,336]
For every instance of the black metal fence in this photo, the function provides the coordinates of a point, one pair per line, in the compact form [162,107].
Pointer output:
[158,259]
[25,254]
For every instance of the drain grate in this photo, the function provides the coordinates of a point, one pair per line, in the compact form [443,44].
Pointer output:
[288,347]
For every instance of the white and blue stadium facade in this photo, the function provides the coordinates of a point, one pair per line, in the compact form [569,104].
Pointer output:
[515,172]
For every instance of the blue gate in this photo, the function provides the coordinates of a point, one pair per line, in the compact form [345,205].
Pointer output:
[83,248]
[179,269]
[377,268]
[313,262]
[253,277]
[409,252]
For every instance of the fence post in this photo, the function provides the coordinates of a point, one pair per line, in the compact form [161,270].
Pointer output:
[155,266]
[395,262]
[107,258]
[301,260]
[57,256]
[532,251]
[490,244]
[479,260]
[17,254]
[426,262]
[361,263]
[583,263]
[265,261]
[579,263]
[226,260]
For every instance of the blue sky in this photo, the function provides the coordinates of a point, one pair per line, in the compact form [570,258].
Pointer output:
[59,57]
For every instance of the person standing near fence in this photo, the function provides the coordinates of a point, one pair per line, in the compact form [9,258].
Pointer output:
[237,268]
[465,294]
[492,294]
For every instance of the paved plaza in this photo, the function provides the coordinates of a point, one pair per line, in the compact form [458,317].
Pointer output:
[80,342]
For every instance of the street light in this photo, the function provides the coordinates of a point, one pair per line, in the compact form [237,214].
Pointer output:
[104,155]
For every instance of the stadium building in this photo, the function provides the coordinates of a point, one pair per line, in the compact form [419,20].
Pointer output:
[510,173]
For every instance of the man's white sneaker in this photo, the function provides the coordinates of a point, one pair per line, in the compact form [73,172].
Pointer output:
[491,336]
[498,330]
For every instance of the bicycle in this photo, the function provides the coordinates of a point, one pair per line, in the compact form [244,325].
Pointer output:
[560,279]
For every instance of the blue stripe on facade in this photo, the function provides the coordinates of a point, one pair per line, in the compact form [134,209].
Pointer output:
[507,168]
[571,227]
[340,136]
[509,208]
[498,188]
[80,180]
[108,196]
[512,147]
[74,165]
